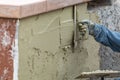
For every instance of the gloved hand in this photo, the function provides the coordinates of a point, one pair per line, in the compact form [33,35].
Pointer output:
[90,26]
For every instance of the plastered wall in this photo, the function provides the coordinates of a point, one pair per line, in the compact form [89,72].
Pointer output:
[46,50]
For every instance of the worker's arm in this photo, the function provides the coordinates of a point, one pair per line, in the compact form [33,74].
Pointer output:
[107,37]
[103,35]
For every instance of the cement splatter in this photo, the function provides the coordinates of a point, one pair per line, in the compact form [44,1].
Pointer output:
[6,39]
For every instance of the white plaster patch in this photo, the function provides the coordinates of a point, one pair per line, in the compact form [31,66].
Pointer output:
[6,39]
[15,54]
[5,71]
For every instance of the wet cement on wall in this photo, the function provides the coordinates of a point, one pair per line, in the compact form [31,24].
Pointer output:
[46,50]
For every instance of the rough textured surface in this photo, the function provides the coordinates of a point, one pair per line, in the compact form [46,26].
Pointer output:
[7,40]
[46,50]
[110,17]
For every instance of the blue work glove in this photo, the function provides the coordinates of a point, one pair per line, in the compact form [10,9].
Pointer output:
[90,26]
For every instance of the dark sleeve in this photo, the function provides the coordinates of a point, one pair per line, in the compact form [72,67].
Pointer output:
[107,37]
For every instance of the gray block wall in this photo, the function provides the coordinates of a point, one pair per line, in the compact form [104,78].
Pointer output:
[110,17]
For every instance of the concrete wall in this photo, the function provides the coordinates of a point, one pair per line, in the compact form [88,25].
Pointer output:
[46,50]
